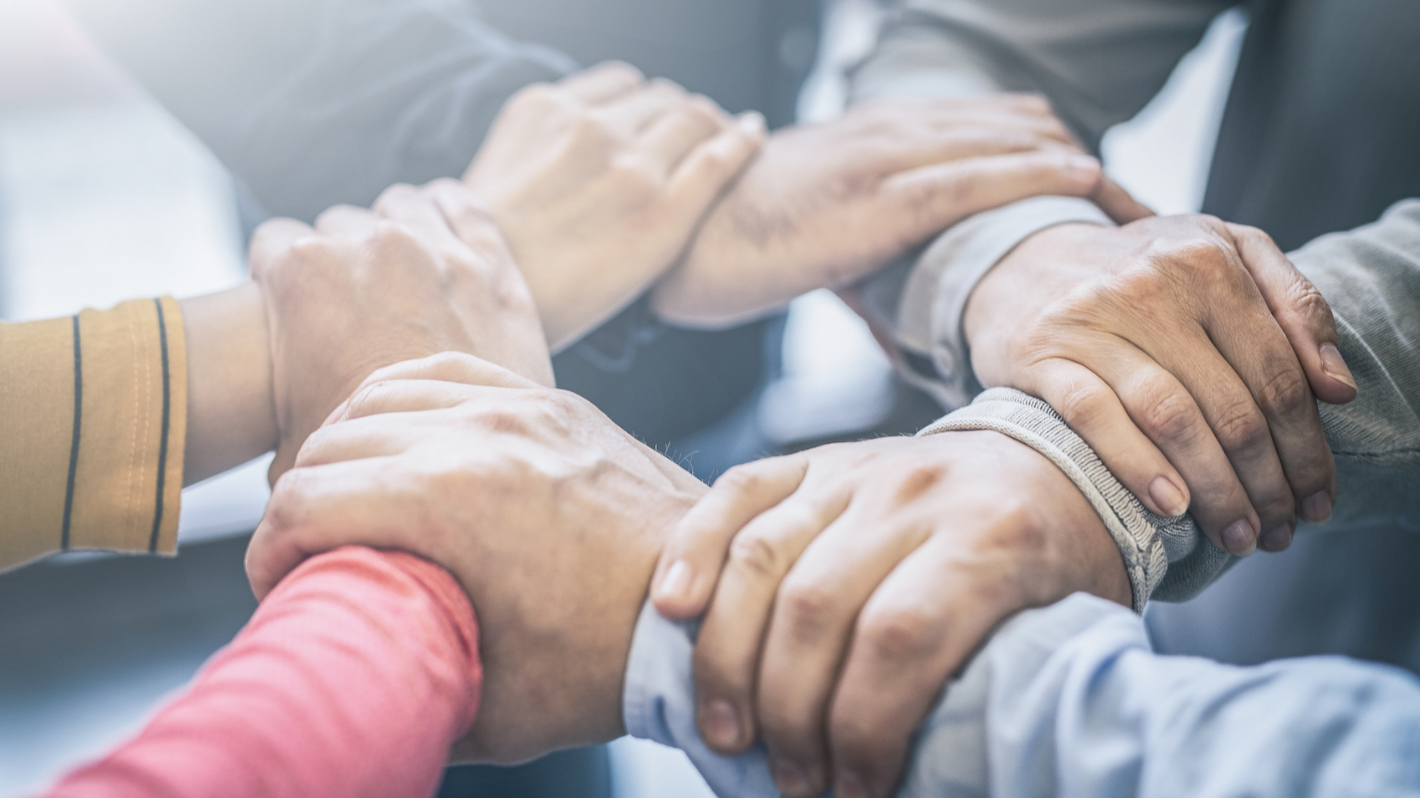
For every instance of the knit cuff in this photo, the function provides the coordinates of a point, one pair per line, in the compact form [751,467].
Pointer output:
[1166,558]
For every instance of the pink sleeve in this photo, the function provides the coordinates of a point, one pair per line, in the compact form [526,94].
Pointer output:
[354,678]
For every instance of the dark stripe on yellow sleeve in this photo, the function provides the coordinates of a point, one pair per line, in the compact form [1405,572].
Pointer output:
[74,440]
[167,422]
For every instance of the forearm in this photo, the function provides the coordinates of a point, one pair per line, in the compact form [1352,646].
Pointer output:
[231,416]
[354,678]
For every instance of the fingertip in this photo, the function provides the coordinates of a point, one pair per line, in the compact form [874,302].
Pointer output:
[753,124]
[674,593]
[1168,496]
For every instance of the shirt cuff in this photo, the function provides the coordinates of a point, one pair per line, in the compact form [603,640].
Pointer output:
[932,306]
[1154,548]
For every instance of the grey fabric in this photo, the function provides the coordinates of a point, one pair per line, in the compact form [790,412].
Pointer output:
[926,305]
[1149,543]
[1371,277]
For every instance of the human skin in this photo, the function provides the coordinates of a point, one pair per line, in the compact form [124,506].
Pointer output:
[823,205]
[497,478]
[1188,352]
[599,181]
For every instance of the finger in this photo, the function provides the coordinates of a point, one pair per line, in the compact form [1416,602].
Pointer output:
[471,221]
[711,166]
[1240,323]
[809,634]
[451,367]
[346,221]
[636,110]
[958,141]
[727,651]
[920,626]
[667,140]
[695,551]
[1301,311]
[272,240]
[1205,420]
[415,208]
[602,83]
[408,396]
[318,509]
[362,439]
[1091,408]
[1119,204]
[936,197]
[1306,320]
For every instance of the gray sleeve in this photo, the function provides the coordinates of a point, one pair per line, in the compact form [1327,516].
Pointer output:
[313,103]
[1099,62]
[1070,700]
[1371,278]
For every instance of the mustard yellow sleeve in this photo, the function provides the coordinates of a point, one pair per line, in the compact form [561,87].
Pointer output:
[93,420]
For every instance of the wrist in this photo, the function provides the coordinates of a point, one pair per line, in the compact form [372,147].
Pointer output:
[1018,274]
[231,413]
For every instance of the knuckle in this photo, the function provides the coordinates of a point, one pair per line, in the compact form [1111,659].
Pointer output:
[1285,394]
[756,556]
[1241,427]
[899,633]
[809,608]
[1085,406]
[1168,415]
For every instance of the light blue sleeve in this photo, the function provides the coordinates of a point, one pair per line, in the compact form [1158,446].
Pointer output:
[1070,701]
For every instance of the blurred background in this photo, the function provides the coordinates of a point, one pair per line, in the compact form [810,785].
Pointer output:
[104,196]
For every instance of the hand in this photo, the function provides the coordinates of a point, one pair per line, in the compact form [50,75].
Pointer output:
[598,183]
[1186,351]
[549,515]
[850,581]
[425,272]
[824,205]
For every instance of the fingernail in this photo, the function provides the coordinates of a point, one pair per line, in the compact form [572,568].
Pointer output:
[1167,496]
[850,785]
[1277,539]
[790,778]
[752,122]
[722,725]
[676,582]
[1238,538]
[1335,366]
[1316,508]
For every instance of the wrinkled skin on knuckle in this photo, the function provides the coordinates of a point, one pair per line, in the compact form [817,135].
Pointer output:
[1166,415]
[1286,395]
[900,633]
[1084,405]
[756,556]
[808,607]
[1240,427]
